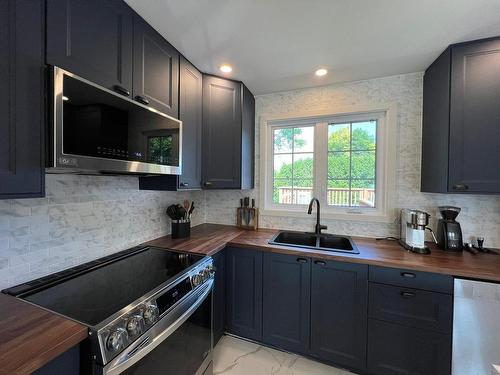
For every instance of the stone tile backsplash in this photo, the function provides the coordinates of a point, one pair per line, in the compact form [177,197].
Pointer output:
[480,215]
[82,218]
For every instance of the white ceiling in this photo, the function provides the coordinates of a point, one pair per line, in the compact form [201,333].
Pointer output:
[276,45]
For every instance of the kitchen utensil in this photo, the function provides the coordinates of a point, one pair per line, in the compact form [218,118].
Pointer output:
[172,212]
[449,233]
[187,205]
[191,209]
[181,213]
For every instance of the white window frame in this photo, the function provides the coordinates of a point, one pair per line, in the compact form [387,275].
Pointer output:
[386,116]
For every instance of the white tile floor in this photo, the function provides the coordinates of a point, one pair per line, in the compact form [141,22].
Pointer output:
[233,356]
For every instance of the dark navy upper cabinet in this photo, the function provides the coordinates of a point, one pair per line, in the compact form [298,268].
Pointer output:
[22,108]
[244,292]
[286,306]
[339,293]
[190,112]
[228,134]
[461,136]
[156,69]
[93,39]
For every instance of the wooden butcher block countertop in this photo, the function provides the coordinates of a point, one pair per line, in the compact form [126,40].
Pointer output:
[211,238]
[30,337]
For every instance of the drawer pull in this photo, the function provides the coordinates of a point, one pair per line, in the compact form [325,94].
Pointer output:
[302,260]
[405,294]
[320,263]
[409,275]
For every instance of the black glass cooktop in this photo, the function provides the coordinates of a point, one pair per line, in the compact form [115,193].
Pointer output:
[95,295]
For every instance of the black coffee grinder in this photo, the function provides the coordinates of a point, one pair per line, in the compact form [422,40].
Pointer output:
[449,233]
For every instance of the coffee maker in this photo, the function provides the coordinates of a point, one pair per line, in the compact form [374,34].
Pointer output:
[412,230]
[449,233]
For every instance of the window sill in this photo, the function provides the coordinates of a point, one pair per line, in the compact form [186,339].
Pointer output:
[375,217]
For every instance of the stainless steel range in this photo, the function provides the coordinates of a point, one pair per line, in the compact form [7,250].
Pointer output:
[148,310]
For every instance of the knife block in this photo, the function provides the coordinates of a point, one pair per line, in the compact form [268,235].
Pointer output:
[247,218]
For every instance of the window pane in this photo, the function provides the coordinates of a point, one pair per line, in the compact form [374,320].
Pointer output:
[302,191]
[304,139]
[303,166]
[339,137]
[283,191]
[283,140]
[363,193]
[364,135]
[338,193]
[363,165]
[339,165]
[283,166]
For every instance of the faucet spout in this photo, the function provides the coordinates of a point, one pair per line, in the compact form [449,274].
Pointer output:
[318,227]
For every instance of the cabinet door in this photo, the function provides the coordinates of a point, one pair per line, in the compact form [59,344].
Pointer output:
[475,117]
[21,98]
[156,69]
[221,133]
[190,112]
[286,306]
[394,349]
[93,39]
[219,298]
[244,293]
[339,294]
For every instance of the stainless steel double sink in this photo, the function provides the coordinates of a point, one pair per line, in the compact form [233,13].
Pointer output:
[313,241]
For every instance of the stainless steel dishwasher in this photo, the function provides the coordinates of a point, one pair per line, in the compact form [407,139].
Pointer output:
[476,327]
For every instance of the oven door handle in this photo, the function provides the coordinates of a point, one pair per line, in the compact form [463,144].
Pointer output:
[158,333]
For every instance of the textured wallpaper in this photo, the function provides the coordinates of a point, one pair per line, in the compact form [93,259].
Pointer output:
[81,219]
[480,215]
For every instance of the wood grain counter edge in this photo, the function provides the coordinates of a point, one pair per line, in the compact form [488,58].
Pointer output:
[31,337]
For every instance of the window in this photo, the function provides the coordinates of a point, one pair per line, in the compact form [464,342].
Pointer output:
[352,164]
[293,165]
[345,161]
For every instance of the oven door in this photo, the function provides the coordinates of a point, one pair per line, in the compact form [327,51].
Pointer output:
[180,343]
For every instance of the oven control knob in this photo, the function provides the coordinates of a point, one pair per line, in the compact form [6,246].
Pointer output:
[151,313]
[135,324]
[211,269]
[116,340]
[197,279]
[206,274]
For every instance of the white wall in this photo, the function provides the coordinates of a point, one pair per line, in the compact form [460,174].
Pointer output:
[480,215]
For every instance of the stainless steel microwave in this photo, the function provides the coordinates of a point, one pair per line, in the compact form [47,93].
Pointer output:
[95,130]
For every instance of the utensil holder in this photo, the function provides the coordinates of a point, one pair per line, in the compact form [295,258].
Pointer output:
[181,228]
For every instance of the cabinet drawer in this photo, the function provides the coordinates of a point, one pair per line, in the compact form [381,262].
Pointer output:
[411,307]
[394,349]
[412,279]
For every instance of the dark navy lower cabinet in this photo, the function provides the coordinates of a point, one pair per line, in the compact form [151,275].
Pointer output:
[286,306]
[219,297]
[67,363]
[244,292]
[22,107]
[339,294]
[394,349]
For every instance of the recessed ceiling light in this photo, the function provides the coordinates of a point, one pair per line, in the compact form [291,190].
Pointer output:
[321,72]
[226,68]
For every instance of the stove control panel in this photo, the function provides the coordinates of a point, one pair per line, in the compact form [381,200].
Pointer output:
[123,331]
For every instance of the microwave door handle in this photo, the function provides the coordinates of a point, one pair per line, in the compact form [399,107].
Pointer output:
[144,346]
